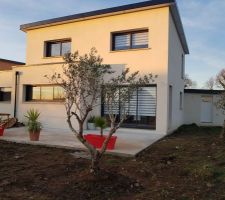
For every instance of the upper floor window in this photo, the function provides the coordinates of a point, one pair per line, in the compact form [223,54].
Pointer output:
[57,48]
[130,40]
[5,94]
[44,93]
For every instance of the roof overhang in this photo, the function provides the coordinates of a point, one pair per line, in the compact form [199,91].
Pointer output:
[115,11]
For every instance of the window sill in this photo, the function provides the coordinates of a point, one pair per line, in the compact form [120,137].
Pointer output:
[5,102]
[43,102]
[115,51]
[45,57]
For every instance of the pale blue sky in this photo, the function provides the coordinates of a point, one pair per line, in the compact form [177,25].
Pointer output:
[203,20]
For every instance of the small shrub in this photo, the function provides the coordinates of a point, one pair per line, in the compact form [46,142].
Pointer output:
[101,123]
[91,119]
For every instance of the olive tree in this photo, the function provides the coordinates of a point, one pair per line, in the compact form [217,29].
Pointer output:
[83,79]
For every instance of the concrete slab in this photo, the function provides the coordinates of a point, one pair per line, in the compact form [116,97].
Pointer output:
[129,141]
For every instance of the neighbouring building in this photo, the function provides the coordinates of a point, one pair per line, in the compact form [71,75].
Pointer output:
[6,82]
[200,107]
[146,36]
[7,64]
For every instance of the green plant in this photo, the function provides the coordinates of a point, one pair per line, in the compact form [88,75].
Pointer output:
[101,123]
[33,124]
[91,119]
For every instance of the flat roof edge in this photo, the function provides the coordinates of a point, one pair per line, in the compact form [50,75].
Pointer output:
[115,11]
[203,91]
[95,13]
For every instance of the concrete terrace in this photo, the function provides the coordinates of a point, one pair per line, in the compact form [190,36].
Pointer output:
[129,142]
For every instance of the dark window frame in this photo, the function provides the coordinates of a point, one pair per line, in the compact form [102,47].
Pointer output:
[4,97]
[28,94]
[130,33]
[47,44]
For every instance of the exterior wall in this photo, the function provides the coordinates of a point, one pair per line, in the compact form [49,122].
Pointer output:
[174,77]
[52,113]
[6,80]
[192,110]
[97,33]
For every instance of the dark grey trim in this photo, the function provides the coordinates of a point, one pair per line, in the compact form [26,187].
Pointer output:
[202,91]
[179,26]
[172,3]
[16,91]
[12,61]
[97,12]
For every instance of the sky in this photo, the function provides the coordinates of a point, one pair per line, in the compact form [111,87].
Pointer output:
[203,21]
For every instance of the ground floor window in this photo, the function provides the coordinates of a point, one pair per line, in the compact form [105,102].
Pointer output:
[141,109]
[44,93]
[5,93]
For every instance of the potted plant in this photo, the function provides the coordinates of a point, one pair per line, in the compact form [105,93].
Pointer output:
[91,123]
[34,126]
[101,123]
[98,140]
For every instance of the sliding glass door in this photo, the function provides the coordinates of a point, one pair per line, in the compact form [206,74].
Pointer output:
[141,108]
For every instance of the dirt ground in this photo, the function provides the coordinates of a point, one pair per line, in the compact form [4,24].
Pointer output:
[188,165]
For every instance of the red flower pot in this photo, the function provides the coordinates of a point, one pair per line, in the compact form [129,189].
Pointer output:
[1,130]
[97,141]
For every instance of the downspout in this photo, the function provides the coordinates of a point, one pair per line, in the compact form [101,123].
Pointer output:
[16,87]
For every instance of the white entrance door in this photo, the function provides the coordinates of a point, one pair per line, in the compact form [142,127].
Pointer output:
[207,110]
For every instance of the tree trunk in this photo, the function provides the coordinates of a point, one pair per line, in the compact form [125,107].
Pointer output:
[101,132]
[95,160]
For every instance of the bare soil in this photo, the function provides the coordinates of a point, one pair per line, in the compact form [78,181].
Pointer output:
[188,165]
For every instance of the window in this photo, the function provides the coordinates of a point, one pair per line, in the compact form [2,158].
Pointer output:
[47,93]
[58,93]
[130,40]
[183,66]
[44,93]
[181,100]
[5,94]
[141,108]
[57,48]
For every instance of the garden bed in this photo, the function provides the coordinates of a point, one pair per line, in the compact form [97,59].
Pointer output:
[190,164]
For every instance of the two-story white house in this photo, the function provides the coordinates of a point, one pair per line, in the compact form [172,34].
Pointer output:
[146,36]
